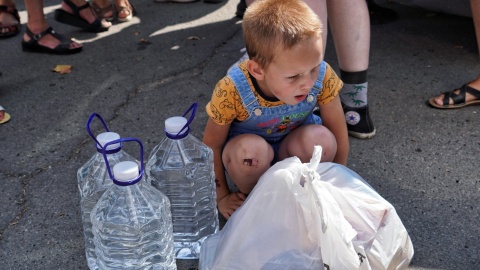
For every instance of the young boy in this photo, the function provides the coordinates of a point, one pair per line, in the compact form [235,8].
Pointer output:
[262,111]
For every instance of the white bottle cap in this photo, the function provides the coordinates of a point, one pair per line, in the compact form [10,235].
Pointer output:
[125,171]
[106,137]
[174,124]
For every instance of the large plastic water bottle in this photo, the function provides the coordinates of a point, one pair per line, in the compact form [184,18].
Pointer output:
[181,167]
[132,222]
[93,180]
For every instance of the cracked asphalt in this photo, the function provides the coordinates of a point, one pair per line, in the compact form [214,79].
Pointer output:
[423,160]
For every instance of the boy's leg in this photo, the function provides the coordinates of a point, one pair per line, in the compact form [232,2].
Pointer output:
[246,157]
[301,141]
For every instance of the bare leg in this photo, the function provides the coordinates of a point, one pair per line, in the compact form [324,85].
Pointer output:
[7,2]
[37,24]
[350,25]
[301,141]
[246,157]
[475,5]
[103,9]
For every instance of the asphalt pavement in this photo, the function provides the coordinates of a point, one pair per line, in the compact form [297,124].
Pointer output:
[422,160]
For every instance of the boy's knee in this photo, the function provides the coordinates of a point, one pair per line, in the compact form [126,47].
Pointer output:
[249,150]
[257,154]
[325,138]
[250,162]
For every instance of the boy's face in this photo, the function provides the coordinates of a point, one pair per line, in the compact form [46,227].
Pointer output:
[291,75]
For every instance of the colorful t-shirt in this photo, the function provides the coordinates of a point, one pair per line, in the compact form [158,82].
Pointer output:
[226,105]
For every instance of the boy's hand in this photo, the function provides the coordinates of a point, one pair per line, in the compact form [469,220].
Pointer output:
[228,204]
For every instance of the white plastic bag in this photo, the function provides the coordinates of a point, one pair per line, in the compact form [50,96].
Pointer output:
[310,216]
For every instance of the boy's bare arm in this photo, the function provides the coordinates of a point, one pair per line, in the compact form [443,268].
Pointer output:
[215,136]
[334,119]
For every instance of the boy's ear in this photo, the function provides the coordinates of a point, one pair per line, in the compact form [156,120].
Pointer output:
[255,69]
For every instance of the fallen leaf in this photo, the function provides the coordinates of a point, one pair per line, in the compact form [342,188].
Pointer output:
[63,69]
[144,41]
[193,38]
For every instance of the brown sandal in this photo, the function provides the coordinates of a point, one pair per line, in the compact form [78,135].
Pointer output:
[101,11]
[129,9]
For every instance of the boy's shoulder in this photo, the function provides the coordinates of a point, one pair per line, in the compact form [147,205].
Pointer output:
[239,66]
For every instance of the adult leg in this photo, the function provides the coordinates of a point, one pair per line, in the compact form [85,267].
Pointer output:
[350,24]
[475,84]
[37,24]
[246,157]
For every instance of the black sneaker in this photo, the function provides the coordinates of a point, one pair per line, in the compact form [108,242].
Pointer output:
[359,124]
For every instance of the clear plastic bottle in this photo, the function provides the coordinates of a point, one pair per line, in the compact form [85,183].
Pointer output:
[93,180]
[132,222]
[181,167]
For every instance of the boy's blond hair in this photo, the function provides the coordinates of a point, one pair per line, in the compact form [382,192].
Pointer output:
[270,26]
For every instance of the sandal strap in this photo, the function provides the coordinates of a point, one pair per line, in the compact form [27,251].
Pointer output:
[76,10]
[34,38]
[10,10]
[460,98]
[472,91]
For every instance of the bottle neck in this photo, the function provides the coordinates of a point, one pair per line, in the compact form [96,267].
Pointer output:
[129,182]
[109,151]
[176,136]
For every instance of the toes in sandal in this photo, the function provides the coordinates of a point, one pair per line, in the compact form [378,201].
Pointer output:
[459,100]
[76,20]
[10,30]
[125,9]
[33,46]
[100,12]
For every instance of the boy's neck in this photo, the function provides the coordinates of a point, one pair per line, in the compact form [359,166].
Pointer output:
[260,91]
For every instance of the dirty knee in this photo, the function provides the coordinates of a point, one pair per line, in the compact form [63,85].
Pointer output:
[250,162]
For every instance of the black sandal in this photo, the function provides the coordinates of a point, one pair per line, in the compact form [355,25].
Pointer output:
[75,19]
[33,46]
[12,29]
[458,99]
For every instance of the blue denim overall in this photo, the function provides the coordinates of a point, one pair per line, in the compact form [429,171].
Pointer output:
[273,123]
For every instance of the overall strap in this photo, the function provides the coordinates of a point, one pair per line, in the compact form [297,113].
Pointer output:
[321,76]
[244,90]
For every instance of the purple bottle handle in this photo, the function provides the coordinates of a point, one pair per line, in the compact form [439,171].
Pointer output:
[98,146]
[142,166]
[180,134]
